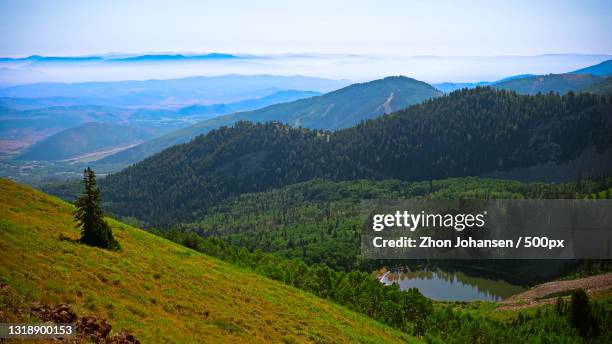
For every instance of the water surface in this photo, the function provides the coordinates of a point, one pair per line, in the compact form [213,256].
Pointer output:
[452,286]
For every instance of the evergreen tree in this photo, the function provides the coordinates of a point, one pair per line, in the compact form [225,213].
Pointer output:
[89,217]
[560,306]
[580,312]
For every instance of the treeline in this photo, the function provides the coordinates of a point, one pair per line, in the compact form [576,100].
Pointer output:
[467,133]
[410,311]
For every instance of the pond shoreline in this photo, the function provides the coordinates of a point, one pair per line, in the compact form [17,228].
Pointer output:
[442,285]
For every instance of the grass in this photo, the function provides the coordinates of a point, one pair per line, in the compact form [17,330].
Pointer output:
[157,290]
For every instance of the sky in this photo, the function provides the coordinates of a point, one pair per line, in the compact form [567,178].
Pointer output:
[407,28]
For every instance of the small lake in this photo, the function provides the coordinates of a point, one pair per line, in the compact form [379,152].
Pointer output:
[452,286]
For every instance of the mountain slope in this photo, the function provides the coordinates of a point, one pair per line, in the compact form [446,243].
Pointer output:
[559,83]
[601,69]
[29,126]
[604,87]
[467,133]
[23,121]
[84,139]
[155,289]
[335,110]
[448,87]
[249,104]
[347,106]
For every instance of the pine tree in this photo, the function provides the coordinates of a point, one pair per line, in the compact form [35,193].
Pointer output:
[95,231]
[580,312]
[560,306]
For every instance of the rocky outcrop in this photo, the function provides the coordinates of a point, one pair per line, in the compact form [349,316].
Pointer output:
[87,328]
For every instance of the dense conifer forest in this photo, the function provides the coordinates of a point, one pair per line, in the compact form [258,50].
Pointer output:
[320,221]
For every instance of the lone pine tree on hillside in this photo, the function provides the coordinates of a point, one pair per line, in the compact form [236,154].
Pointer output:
[90,219]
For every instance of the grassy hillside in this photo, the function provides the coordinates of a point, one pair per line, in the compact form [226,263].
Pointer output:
[559,83]
[155,289]
[335,110]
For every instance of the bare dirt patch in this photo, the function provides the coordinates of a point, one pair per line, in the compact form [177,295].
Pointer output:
[537,295]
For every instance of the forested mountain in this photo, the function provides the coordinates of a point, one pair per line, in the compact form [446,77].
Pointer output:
[338,109]
[604,87]
[559,83]
[601,69]
[85,139]
[320,221]
[345,107]
[467,133]
[448,87]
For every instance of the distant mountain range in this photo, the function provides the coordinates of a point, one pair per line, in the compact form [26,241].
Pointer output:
[26,126]
[31,112]
[170,92]
[122,58]
[335,110]
[246,105]
[168,65]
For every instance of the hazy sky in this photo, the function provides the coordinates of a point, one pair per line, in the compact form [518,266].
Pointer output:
[446,28]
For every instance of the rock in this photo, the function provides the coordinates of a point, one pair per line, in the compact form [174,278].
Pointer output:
[62,314]
[103,329]
[87,328]
[123,338]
